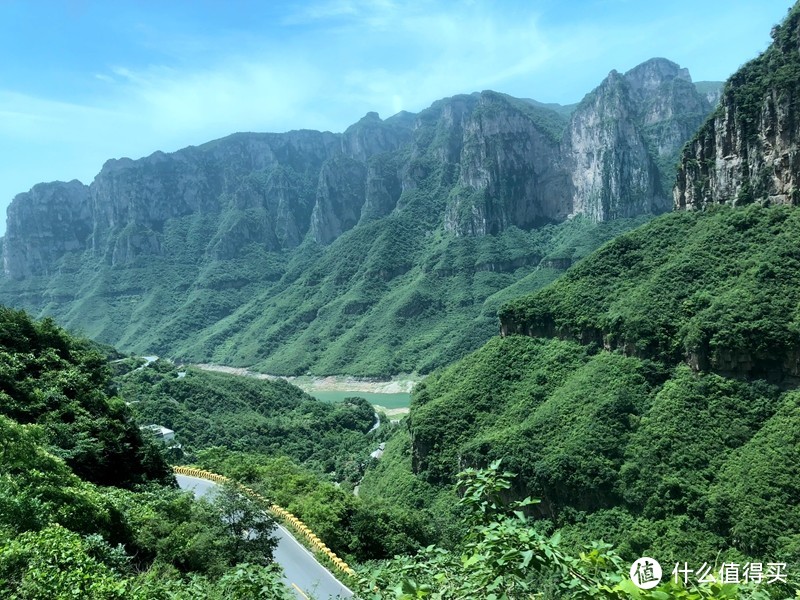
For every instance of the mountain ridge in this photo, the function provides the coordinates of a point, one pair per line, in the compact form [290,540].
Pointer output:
[214,253]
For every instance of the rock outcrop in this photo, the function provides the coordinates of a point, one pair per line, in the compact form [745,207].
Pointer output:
[43,225]
[474,164]
[748,151]
[625,136]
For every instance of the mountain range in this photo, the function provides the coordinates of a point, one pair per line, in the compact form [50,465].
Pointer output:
[648,397]
[384,249]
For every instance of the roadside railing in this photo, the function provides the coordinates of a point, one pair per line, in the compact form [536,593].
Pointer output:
[281,514]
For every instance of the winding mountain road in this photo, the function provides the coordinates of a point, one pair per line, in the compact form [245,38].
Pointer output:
[303,574]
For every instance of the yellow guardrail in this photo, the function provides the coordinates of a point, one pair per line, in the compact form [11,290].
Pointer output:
[279,512]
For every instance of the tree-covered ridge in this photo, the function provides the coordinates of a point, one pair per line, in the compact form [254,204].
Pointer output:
[64,536]
[716,290]
[636,406]
[776,70]
[648,457]
[251,415]
[63,384]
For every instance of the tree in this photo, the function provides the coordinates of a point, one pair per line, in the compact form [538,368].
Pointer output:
[249,525]
[503,557]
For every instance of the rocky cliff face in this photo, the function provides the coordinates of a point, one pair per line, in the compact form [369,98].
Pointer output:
[474,165]
[612,158]
[624,137]
[509,172]
[748,151]
[43,225]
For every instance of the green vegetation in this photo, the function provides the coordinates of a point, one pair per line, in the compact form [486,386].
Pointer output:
[259,433]
[62,535]
[384,298]
[604,420]
[776,69]
[394,400]
[504,556]
[59,383]
[208,409]
[353,528]
[717,289]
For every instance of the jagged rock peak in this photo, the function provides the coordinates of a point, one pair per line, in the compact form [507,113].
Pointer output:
[651,74]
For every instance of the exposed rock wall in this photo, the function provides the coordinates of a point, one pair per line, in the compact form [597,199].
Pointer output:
[44,224]
[748,151]
[475,164]
[614,159]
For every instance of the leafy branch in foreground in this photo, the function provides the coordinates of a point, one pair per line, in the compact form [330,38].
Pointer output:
[503,557]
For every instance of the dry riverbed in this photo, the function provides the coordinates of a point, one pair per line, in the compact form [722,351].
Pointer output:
[309,384]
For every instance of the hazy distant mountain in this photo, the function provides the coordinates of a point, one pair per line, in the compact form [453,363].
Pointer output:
[329,252]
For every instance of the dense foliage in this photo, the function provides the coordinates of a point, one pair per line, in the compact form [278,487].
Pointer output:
[503,556]
[64,536]
[717,289]
[208,409]
[776,71]
[259,432]
[61,384]
[620,438]
[352,527]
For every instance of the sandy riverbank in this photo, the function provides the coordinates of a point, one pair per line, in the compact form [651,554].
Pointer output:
[307,383]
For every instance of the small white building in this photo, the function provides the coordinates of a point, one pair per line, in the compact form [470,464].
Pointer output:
[159,432]
[379,452]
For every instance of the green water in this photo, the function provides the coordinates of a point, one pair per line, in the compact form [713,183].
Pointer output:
[401,400]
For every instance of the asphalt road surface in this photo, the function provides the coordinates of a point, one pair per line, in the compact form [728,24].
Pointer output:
[303,574]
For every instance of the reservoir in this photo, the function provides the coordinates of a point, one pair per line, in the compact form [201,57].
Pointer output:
[390,401]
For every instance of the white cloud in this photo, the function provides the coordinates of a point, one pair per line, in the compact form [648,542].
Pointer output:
[323,68]
[376,13]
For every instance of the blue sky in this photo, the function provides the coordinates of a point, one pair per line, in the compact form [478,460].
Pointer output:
[83,81]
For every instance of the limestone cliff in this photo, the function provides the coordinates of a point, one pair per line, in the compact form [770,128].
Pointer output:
[522,164]
[473,165]
[748,150]
[43,225]
[625,136]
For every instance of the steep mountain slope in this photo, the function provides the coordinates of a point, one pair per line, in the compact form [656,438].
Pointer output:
[648,395]
[748,151]
[717,290]
[330,253]
[639,404]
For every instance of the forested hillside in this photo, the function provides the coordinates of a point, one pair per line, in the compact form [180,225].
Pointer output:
[658,460]
[718,291]
[385,249]
[87,505]
[244,414]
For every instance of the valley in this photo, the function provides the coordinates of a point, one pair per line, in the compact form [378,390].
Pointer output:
[495,349]
[392,396]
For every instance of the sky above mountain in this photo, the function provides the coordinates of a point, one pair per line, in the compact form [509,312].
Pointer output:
[84,81]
